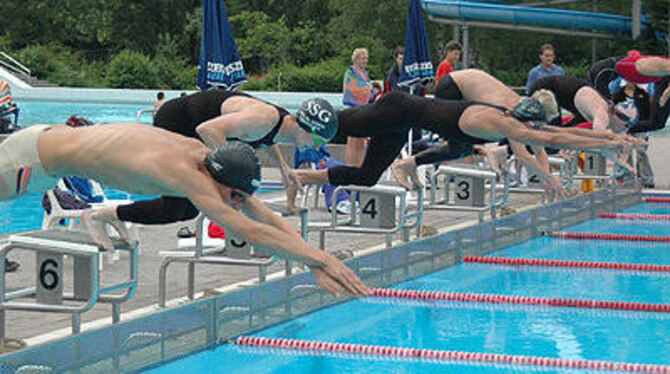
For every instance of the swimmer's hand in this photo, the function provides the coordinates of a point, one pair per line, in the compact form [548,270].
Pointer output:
[335,277]
[614,153]
[290,178]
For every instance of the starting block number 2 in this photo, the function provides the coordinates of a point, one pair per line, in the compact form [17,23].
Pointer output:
[49,279]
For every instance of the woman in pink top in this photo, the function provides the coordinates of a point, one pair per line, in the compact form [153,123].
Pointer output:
[357,89]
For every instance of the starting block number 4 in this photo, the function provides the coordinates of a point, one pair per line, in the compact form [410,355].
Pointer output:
[594,164]
[49,279]
[468,191]
[377,211]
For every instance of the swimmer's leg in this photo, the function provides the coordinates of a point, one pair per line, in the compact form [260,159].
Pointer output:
[653,66]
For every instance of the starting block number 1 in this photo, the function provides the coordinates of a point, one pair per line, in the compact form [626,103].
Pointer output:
[49,279]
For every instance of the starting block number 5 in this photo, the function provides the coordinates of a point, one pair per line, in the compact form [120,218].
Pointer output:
[49,279]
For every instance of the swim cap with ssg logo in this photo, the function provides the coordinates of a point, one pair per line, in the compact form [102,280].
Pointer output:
[235,164]
[318,116]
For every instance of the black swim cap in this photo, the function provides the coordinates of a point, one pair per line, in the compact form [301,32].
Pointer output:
[235,164]
[529,109]
[318,115]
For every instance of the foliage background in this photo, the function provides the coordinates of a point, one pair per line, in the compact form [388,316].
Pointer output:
[304,44]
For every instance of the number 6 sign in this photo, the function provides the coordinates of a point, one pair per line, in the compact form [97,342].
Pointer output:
[49,279]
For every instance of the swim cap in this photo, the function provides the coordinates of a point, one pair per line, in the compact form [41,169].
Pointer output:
[627,112]
[78,121]
[235,164]
[529,109]
[318,115]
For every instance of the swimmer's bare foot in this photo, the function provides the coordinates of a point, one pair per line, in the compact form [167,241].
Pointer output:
[291,192]
[95,220]
[405,170]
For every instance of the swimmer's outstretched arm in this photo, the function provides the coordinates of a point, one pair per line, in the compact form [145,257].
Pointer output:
[537,167]
[215,131]
[288,175]
[331,274]
[515,130]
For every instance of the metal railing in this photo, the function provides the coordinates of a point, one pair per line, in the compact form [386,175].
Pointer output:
[14,65]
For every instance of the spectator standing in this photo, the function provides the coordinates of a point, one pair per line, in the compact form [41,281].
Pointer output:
[357,89]
[452,53]
[546,68]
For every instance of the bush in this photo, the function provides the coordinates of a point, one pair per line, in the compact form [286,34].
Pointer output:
[325,76]
[185,79]
[130,69]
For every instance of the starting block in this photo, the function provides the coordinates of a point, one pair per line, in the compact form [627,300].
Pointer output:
[50,247]
[233,251]
[383,210]
[470,187]
[594,168]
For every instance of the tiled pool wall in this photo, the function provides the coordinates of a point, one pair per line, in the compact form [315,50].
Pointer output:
[164,336]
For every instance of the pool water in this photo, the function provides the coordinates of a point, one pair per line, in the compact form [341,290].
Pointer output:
[34,112]
[570,333]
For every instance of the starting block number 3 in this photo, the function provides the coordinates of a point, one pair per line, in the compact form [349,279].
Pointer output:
[469,191]
[49,279]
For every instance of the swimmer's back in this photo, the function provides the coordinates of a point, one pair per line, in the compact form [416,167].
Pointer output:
[112,153]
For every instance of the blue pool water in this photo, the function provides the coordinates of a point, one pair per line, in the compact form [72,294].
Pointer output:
[570,333]
[34,112]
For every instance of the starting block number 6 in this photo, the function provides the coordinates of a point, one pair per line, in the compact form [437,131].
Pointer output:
[49,279]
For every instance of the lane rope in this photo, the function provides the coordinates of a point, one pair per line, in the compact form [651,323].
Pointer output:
[604,236]
[660,217]
[443,355]
[652,199]
[565,263]
[513,299]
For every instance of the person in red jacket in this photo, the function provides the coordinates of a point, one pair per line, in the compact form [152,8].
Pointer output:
[451,56]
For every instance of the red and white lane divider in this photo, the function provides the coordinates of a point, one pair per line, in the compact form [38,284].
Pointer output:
[655,199]
[565,263]
[512,299]
[660,217]
[431,354]
[603,236]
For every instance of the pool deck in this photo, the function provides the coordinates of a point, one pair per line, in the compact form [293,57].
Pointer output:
[153,239]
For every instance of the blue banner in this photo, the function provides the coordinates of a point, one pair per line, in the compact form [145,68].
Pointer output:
[417,66]
[220,65]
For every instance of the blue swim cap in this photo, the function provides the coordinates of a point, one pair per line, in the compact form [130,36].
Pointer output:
[318,115]
[529,109]
[235,164]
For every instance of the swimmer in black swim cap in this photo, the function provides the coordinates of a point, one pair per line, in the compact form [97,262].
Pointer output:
[235,164]
[318,117]
[217,116]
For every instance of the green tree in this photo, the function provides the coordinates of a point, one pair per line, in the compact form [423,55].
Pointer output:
[130,69]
